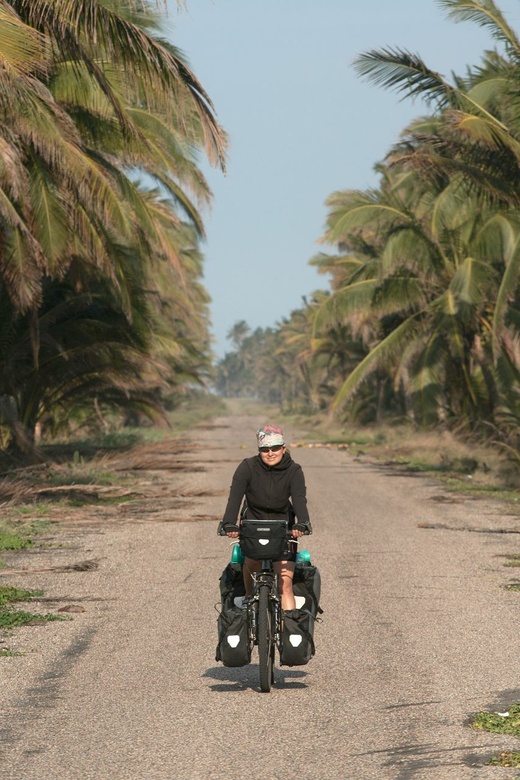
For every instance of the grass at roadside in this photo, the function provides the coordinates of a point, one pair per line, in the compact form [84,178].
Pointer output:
[501,723]
[12,539]
[16,536]
[9,617]
[29,493]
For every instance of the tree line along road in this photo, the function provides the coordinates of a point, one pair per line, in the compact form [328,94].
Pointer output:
[418,634]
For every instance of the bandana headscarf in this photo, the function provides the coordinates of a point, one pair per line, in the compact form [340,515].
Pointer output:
[269,436]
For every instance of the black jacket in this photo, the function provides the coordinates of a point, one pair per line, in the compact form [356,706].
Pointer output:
[270,491]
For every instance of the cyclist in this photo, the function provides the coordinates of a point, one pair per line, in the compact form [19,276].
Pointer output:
[274,487]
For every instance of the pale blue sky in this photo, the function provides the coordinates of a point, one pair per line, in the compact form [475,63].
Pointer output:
[301,125]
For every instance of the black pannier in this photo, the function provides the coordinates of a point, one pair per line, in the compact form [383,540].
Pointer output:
[231,584]
[262,539]
[297,643]
[297,640]
[307,583]
[233,648]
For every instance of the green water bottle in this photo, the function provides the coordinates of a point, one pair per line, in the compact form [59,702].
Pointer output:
[303,556]
[237,556]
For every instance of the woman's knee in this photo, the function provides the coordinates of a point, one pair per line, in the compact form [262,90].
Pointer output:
[286,582]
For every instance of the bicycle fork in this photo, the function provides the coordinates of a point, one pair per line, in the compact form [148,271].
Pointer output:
[271,579]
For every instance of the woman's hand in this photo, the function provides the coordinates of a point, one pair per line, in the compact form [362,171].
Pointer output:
[231,530]
[295,533]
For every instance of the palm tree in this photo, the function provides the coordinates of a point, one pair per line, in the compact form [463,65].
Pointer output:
[93,98]
[437,287]
[238,333]
[424,300]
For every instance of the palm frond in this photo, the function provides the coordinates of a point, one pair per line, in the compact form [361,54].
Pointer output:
[483,131]
[486,93]
[405,72]
[352,299]
[487,15]
[507,290]
[23,50]
[50,217]
[361,210]
[470,281]
[84,28]
[393,343]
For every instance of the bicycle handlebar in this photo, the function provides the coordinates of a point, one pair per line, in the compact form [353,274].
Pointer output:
[223,532]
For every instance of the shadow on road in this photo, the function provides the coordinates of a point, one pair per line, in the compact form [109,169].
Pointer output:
[247,678]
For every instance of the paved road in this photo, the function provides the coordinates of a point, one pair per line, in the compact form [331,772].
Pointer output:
[418,634]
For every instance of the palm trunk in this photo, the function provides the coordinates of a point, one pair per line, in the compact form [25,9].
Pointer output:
[22,445]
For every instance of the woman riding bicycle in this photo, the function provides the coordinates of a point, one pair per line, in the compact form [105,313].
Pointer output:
[274,487]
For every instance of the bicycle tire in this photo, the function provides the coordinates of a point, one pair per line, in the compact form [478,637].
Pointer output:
[265,639]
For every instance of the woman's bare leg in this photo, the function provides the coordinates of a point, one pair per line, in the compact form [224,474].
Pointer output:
[285,571]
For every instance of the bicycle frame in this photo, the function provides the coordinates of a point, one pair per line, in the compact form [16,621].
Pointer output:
[266,576]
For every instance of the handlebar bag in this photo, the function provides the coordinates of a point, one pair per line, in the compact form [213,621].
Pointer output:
[263,539]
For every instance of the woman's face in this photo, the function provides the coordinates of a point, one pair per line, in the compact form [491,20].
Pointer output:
[272,455]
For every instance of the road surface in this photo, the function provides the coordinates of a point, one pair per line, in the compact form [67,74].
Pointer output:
[418,634]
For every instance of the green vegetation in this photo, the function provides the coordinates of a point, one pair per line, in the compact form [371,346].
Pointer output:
[12,540]
[505,723]
[506,759]
[84,457]
[512,561]
[464,465]
[9,617]
[19,534]
[9,594]
[15,618]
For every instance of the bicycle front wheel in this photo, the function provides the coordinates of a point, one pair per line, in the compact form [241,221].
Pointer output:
[265,639]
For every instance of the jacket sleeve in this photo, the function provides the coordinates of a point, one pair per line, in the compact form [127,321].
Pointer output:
[299,498]
[236,494]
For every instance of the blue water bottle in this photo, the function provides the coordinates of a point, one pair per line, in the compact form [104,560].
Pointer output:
[303,556]
[237,556]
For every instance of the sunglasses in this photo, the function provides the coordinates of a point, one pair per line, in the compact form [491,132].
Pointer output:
[274,448]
